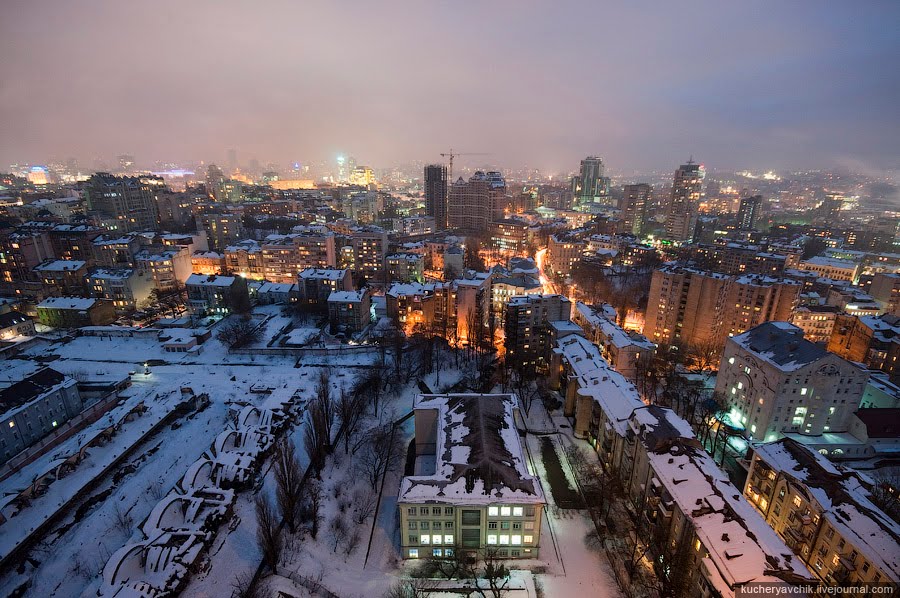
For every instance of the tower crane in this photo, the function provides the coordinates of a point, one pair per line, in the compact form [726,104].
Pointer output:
[451,154]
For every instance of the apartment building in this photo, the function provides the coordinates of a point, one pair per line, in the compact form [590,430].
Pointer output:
[775,382]
[471,489]
[527,327]
[872,340]
[314,285]
[125,288]
[564,251]
[825,514]
[623,349]
[349,311]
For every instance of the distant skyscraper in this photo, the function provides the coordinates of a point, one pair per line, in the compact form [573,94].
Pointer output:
[829,211]
[215,178]
[634,207]
[686,191]
[436,194]
[232,159]
[590,186]
[749,211]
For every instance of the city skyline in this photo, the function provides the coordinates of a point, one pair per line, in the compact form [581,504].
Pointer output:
[754,87]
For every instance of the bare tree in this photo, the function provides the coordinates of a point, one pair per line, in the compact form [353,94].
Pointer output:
[319,421]
[240,332]
[311,506]
[495,574]
[289,482]
[245,585]
[381,454]
[269,535]
[411,588]
[337,528]
[364,504]
[350,408]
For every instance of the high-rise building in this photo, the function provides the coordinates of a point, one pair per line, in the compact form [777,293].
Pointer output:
[686,191]
[124,204]
[436,194]
[474,204]
[634,207]
[748,213]
[694,308]
[591,186]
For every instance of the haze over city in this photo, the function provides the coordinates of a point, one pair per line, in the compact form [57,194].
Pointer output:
[756,85]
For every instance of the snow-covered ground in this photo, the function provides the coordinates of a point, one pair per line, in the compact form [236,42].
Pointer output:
[108,511]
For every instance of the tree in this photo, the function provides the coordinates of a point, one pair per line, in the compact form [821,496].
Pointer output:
[311,505]
[269,534]
[317,432]
[813,247]
[289,483]
[703,354]
[494,573]
[381,454]
[472,256]
[350,408]
[240,332]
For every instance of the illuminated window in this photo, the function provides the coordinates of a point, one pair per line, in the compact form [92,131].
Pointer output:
[528,539]
[413,553]
[491,539]
[505,511]
[424,539]
[493,511]
[448,539]
[504,539]
[517,511]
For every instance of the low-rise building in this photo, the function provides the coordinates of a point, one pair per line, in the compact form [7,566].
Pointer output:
[217,294]
[872,340]
[350,311]
[405,267]
[833,268]
[169,268]
[15,324]
[315,285]
[825,514]
[126,288]
[62,277]
[75,312]
[816,321]
[34,407]
[471,490]
[207,262]
[623,349]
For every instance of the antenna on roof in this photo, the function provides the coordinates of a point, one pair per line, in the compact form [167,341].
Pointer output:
[691,159]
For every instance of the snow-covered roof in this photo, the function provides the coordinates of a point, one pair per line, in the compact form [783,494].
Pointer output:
[323,274]
[478,454]
[60,266]
[347,296]
[614,334]
[401,289]
[111,273]
[781,344]
[79,303]
[844,497]
[741,547]
[210,281]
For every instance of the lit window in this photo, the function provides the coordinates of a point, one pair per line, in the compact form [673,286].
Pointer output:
[448,539]
[436,552]
[516,539]
[802,391]
[505,511]
[493,511]
[529,539]
[504,539]
[413,553]
[12,424]
[517,511]
[492,539]
[731,360]
[436,539]
[424,539]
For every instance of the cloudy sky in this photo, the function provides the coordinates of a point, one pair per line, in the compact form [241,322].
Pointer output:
[642,83]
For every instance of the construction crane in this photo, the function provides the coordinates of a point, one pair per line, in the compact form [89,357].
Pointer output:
[451,154]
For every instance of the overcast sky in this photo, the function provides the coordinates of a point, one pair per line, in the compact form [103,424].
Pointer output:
[644,84]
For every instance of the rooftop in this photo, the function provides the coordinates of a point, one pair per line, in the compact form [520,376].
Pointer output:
[478,453]
[60,266]
[843,495]
[80,303]
[781,344]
